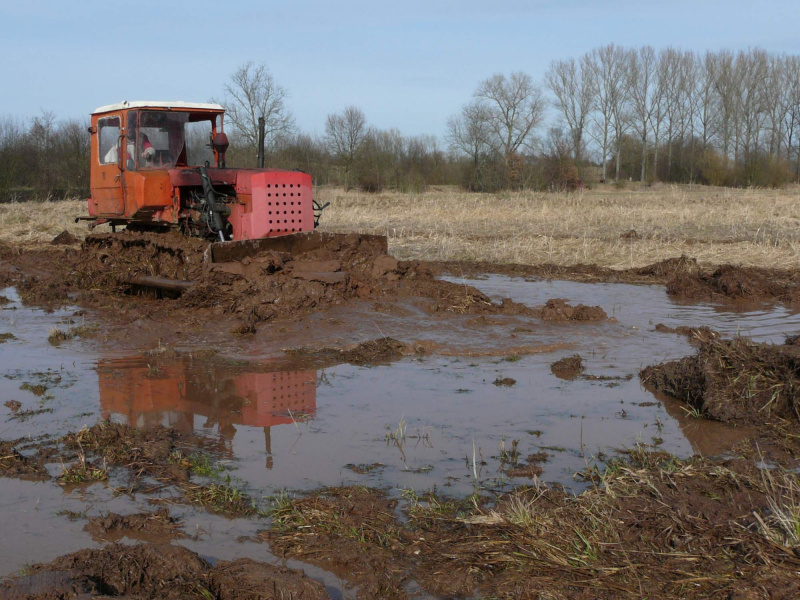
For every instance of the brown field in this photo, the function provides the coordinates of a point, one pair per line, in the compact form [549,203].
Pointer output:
[715,225]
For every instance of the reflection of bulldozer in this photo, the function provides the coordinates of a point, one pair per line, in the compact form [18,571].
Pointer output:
[172,395]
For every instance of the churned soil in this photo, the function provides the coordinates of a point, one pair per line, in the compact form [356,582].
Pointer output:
[158,525]
[16,461]
[653,526]
[157,572]
[557,309]
[734,381]
[685,279]
[275,284]
[568,368]
[695,334]
[373,352]
[268,285]
[742,383]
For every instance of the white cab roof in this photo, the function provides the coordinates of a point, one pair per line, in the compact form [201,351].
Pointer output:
[157,104]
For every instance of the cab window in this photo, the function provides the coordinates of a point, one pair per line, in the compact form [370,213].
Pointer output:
[108,134]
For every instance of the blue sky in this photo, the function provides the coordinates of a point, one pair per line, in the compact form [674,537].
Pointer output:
[408,64]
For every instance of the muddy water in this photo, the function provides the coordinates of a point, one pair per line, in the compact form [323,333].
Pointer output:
[435,420]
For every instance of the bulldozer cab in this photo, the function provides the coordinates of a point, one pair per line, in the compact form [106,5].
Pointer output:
[135,144]
[168,139]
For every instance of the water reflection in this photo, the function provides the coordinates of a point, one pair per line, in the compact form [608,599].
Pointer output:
[175,394]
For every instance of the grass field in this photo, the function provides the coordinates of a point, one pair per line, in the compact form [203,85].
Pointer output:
[714,225]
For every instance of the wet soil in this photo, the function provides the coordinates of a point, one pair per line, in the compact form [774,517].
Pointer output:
[697,334]
[684,278]
[568,368]
[740,383]
[157,572]
[655,526]
[558,310]
[158,525]
[391,379]
[269,285]
[734,381]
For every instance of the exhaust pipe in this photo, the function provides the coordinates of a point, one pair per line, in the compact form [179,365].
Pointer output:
[261,141]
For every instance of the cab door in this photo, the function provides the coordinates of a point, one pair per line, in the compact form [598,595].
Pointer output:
[108,199]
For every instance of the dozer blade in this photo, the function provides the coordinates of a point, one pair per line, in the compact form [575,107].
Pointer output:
[295,243]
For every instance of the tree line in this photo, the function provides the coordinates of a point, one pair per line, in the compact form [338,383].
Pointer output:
[612,114]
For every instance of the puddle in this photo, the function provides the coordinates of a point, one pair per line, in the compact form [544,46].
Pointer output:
[416,423]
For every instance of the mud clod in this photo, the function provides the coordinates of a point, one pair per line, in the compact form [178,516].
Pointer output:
[13,405]
[557,309]
[65,238]
[155,525]
[374,352]
[697,334]
[13,463]
[568,368]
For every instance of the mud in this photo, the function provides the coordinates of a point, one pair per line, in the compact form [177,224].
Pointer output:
[158,525]
[735,283]
[15,463]
[568,368]
[654,526]
[13,405]
[374,352]
[685,279]
[734,381]
[157,572]
[697,334]
[65,238]
[267,286]
[394,381]
[558,310]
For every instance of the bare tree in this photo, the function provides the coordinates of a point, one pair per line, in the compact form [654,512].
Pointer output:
[469,132]
[573,84]
[253,93]
[645,95]
[515,108]
[345,133]
[610,96]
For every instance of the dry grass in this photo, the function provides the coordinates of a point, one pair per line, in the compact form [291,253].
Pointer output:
[714,225]
[30,223]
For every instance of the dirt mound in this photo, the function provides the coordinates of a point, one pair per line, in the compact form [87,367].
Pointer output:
[734,283]
[65,238]
[157,572]
[156,525]
[557,309]
[284,280]
[734,381]
[568,368]
[699,334]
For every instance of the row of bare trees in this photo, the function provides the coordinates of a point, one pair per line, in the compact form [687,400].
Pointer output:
[724,118]
[718,117]
[43,158]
